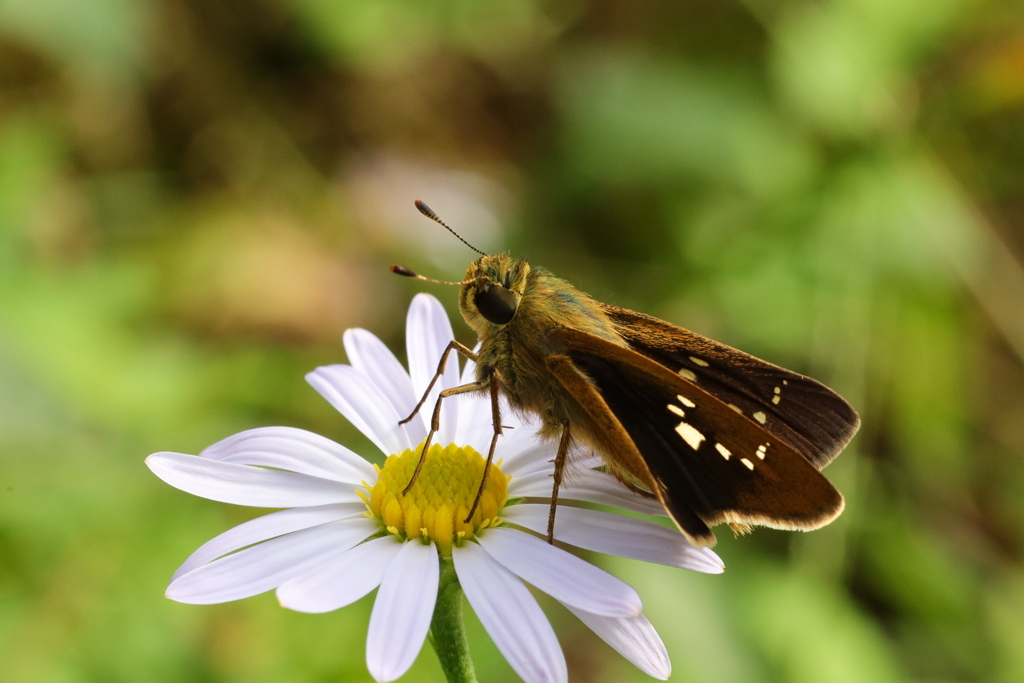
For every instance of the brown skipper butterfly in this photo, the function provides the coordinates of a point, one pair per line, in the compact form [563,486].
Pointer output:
[716,435]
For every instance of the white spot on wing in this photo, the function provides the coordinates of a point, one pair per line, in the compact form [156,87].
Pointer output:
[686,373]
[723,450]
[776,399]
[762,450]
[698,361]
[686,402]
[778,390]
[676,409]
[760,417]
[690,434]
[735,407]
[746,462]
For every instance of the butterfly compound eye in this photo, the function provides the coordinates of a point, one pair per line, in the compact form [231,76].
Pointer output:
[497,304]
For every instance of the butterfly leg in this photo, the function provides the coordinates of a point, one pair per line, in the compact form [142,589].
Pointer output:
[564,444]
[452,346]
[435,423]
[496,422]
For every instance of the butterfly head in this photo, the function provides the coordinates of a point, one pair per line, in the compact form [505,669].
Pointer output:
[493,287]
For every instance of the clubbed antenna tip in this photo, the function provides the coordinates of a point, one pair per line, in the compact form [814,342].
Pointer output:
[429,213]
[402,270]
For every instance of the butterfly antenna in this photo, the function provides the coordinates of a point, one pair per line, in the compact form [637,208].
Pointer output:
[405,272]
[429,213]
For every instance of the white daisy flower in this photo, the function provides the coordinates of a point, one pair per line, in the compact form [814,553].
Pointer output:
[347,529]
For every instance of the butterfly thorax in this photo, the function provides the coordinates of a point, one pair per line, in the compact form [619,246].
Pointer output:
[517,350]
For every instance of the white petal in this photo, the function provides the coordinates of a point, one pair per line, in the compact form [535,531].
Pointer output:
[292,449]
[427,333]
[511,616]
[529,456]
[370,356]
[600,487]
[605,532]
[525,452]
[247,485]
[561,574]
[342,580]
[266,566]
[632,637]
[263,528]
[401,614]
[474,423]
[362,404]
[518,447]
[536,484]
[586,485]
[588,460]
[522,446]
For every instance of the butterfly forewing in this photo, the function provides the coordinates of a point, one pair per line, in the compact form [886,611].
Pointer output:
[809,416]
[702,454]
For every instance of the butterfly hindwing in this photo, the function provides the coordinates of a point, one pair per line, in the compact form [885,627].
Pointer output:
[702,455]
[812,418]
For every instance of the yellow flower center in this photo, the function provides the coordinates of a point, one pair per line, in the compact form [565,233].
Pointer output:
[437,505]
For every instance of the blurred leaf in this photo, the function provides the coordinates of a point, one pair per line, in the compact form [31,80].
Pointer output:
[109,36]
[687,609]
[846,65]
[810,632]
[391,35]
[1004,603]
[632,118]
[31,157]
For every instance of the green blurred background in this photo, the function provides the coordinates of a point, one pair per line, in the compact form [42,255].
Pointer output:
[198,196]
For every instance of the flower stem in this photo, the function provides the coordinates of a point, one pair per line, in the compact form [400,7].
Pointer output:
[447,632]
